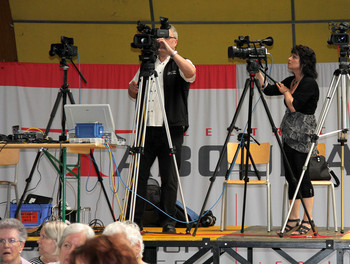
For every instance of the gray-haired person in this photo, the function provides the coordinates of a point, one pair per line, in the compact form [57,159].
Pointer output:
[73,236]
[132,233]
[50,235]
[13,236]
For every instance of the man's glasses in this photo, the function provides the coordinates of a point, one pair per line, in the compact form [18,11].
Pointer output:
[11,241]
[170,38]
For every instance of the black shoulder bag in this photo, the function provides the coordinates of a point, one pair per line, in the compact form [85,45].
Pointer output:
[319,170]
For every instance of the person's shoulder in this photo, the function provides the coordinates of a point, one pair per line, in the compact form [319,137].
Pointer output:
[309,79]
[310,84]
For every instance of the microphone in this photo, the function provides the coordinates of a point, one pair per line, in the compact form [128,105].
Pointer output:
[268,41]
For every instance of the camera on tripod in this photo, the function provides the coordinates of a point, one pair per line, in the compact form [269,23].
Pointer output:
[250,51]
[148,36]
[65,49]
[340,38]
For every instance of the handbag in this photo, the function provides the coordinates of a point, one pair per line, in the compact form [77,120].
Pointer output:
[319,170]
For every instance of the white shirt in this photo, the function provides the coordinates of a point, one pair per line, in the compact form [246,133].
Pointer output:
[155,115]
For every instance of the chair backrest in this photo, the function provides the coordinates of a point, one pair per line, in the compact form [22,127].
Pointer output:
[9,156]
[260,153]
[321,147]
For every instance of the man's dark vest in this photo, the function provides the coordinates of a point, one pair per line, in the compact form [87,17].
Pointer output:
[175,95]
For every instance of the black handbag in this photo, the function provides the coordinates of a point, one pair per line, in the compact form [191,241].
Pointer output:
[319,170]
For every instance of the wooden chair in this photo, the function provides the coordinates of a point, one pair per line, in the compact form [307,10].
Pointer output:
[321,147]
[9,159]
[261,155]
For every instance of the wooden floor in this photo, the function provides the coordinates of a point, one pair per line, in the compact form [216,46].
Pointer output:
[234,232]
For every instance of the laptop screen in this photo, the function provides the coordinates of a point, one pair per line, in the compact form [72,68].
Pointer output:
[90,113]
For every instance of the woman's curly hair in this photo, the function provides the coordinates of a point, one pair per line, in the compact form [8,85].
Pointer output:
[307,60]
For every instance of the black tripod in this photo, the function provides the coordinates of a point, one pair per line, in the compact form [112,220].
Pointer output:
[147,71]
[242,138]
[63,94]
[243,171]
[253,67]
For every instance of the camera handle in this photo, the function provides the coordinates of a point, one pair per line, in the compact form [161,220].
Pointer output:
[79,72]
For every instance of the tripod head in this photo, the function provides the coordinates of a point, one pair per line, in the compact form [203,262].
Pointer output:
[148,57]
[253,66]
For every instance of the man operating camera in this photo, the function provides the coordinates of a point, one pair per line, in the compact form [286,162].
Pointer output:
[175,74]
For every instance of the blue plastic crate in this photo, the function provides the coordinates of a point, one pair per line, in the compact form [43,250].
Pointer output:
[32,214]
[89,130]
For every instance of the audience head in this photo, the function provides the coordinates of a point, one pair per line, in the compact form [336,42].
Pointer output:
[13,236]
[132,233]
[101,250]
[73,236]
[50,235]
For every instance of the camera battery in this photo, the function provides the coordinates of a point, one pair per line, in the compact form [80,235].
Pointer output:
[88,130]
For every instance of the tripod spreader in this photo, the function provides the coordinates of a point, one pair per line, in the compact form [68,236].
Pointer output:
[134,150]
[245,137]
[172,150]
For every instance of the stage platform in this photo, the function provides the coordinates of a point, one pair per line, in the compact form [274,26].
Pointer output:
[212,241]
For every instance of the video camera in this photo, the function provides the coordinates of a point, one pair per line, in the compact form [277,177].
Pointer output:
[340,38]
[148,36]
[65,49]
[250,51]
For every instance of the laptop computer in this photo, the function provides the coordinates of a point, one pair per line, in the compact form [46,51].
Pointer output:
[91,113]
[37,199]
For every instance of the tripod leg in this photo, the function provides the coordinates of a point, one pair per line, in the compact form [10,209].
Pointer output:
[342,188]
[343,126]
[228,172]
[222,153]
[53,112]
[166,125]
[254,166]
[138,142]
[28,181]
[47,130]
[247,146]
[99,177]
[135,149]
